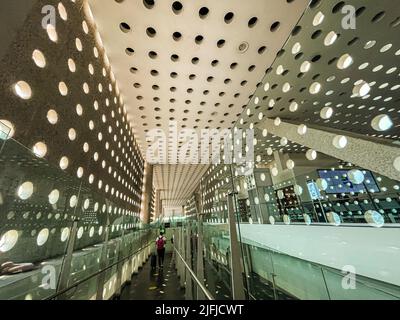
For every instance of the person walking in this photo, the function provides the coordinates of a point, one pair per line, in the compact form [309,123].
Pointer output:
[160,245]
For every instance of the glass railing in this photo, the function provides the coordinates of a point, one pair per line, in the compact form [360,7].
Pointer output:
[310,224]
[323,190]
[196,287]
[109,281]
[271,274]
[217,269]
[276,275]
[56,230]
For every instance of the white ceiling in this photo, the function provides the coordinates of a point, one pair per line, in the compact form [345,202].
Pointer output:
[177,182]
[203,94]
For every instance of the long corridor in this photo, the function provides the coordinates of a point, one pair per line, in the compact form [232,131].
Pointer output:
[257,142]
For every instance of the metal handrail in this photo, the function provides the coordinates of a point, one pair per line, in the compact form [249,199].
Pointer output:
[193,275]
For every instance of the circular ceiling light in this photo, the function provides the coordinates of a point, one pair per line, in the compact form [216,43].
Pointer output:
[330,38]
[293,106]
[345,61]
[361,89]
[315,88]
[326,112]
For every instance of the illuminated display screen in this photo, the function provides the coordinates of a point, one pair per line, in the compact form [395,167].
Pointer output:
[338,182]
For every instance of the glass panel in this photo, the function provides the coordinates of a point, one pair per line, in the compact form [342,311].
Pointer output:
[39,206]
[322,196]
[216,185]
[35,223]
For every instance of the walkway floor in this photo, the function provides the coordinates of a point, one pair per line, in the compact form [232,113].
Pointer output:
[158,284]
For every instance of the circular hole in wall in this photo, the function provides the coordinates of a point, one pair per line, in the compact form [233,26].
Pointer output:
[129,51]
[62,88]
[8,240]
[38,58]
[78,44]
[51,32]
[252,22]
[64,163]
[177,7]
[54,196]
[203,12]
[381,122]
[275,26]
[62,12]
[199,39]
[124,27]
[71,65]
[25,190]
[345,61]
[64,234]
[40,149]
[52,116]
[229,17]
[23,90]
[42,237]
[339,142]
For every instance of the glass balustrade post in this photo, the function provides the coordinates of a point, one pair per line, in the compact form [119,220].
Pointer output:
[273,275]
[258,205]
[103,260]
[4,135]
[181,250]
[200,258]
[67,261]
[66,264]
[188,259]
[236,267]
[325,284]
[120,257]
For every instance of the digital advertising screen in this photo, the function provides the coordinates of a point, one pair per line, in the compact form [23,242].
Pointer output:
[339,182]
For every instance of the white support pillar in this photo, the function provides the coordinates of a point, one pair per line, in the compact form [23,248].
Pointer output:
[369,155]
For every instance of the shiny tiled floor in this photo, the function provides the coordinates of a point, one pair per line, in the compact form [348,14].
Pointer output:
[158,284]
